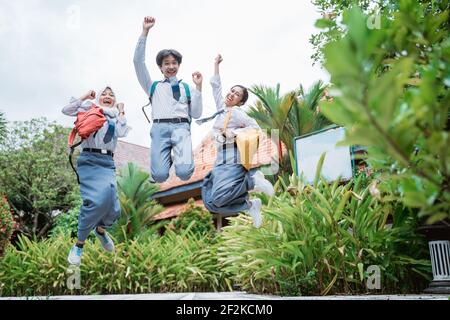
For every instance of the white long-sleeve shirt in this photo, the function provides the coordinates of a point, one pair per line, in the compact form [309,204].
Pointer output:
[239,120]
[164,106]
[121,128]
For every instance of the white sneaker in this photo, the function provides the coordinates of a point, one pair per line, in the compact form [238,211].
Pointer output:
[74,257]
[106,241]
[255,212]
[262,184]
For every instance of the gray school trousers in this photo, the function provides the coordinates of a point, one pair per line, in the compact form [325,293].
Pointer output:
[168,138]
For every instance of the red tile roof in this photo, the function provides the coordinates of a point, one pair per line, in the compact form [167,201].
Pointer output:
[174,210]
[129,152]
[205,156]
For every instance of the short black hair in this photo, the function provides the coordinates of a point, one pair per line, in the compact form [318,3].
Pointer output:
[244,93]
[166,53]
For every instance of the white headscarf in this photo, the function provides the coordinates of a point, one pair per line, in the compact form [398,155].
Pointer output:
[112,112]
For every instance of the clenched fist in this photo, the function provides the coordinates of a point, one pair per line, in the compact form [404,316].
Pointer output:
[197,78]
[121,107]
[90,95]
[148,23]
[219,59]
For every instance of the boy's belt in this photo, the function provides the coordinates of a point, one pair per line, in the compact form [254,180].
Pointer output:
[173,120]
[102,151]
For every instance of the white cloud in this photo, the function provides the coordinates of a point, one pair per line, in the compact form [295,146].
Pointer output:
[46,58]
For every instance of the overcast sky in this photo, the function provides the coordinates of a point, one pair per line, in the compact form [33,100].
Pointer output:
[52,50]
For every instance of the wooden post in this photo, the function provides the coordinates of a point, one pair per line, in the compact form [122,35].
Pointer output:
[219,222]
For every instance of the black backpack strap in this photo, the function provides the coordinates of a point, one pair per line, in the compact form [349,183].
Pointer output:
[72,149]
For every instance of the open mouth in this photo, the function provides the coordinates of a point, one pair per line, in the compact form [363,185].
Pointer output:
[107,102]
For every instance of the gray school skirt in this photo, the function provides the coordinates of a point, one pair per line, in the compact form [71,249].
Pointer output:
[101,207]
[225,188]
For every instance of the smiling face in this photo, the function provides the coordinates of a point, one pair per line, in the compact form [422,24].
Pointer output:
[169,66]
[234,97]
[107,98]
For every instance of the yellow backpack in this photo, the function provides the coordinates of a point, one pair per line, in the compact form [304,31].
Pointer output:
[247,143]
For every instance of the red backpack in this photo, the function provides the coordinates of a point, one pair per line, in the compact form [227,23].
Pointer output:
[87,123]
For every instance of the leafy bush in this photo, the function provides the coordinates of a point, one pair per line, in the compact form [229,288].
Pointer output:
[172,263]
[6,224]
[194,217]
[320,240]
[67,223]
[315,240]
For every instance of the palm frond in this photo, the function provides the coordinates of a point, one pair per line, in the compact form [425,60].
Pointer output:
[138,208]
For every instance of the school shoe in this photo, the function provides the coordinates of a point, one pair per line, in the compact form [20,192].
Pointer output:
[262,184]
[255,212]
[74,257]
[105,240]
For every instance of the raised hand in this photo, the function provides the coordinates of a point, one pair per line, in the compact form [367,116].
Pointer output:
[197,78]
[88,96]
[218,59]
[121,107]
[148,23]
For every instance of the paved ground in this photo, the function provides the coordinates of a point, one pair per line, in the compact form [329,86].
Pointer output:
[231,296]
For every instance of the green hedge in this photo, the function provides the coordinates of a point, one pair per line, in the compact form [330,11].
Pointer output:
[173,263]
[321,240]
[315,240]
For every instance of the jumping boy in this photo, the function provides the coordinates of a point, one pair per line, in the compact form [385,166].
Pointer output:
[173,105]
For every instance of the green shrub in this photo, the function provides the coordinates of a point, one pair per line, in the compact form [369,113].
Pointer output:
[67,223]
[194,217]
[320,240]
[172,263]
[6,224]
[315,240]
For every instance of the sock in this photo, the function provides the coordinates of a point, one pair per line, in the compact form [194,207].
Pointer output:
[80,245]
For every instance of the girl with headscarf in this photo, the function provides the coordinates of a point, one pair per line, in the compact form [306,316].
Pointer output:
[96,169]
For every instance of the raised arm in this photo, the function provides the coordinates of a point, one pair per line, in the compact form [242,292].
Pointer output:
[139,56]
[217,62]
[76,105]
[216,84]
[197,102]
